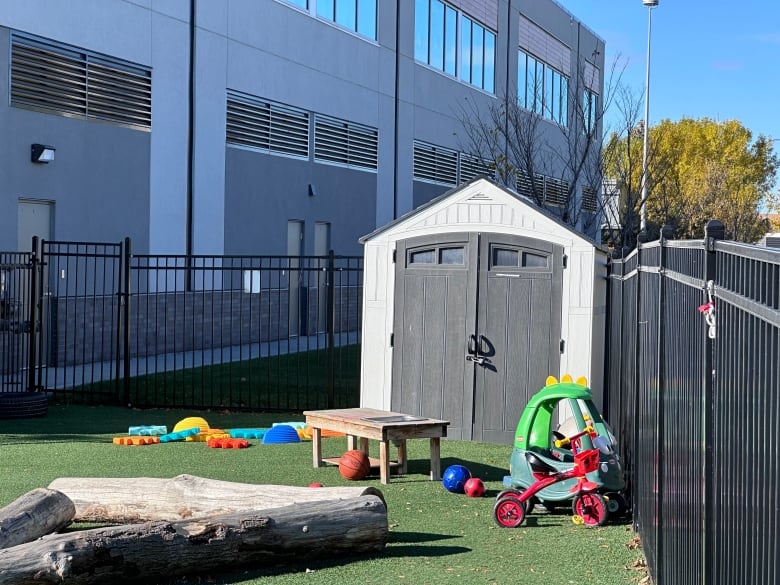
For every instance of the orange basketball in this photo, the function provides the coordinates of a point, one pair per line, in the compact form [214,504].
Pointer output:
[354,465]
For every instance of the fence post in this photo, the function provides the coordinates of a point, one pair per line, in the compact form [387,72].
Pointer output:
[125,308]
[666,233]
[32,366]
[713,231]
[331,326]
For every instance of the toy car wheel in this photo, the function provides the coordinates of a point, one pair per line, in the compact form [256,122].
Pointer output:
[592,508]
[616,504]
[528,505]
[509,512]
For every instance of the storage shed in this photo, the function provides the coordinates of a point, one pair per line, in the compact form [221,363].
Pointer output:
[470,301]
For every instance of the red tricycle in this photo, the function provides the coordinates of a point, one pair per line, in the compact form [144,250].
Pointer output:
[512,505]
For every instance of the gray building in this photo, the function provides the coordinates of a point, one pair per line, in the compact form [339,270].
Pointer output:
[263,126]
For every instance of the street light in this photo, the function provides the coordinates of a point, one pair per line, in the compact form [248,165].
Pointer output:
[642,212]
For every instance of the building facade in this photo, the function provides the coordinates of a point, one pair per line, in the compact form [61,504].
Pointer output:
[263,126]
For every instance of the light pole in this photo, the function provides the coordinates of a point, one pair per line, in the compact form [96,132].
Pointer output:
[642,212]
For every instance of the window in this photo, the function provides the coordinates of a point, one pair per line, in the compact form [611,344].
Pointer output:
[590,101]
[265,125]
[355,15]
[471,57]
[514,258]
[66,80]
[446,256]
[542,88]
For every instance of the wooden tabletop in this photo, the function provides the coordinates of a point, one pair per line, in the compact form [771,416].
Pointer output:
[377,424]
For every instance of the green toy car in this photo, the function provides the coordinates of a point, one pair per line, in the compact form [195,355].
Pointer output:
[540,443]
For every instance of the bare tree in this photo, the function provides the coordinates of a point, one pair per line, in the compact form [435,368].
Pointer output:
[549,161]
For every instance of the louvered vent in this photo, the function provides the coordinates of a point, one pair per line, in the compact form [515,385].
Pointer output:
[473,166]
[345,143]
[589,203]
[434,163]
[69,81]
[556,192]
[267,126]
[526,187]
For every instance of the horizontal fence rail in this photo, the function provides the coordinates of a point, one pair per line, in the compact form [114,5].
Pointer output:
[692,373]
[234,332]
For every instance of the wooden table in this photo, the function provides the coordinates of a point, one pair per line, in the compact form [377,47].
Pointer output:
[384,426]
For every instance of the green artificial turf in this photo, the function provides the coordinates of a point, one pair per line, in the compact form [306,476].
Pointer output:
[435,536]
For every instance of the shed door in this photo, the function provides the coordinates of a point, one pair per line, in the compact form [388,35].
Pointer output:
[476,329]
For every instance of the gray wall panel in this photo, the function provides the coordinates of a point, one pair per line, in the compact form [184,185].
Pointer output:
[263,192]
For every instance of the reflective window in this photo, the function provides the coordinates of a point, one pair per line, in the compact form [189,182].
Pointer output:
[531,260]
[504,257]
[470,58]
[356,15]
[542,89]
[301,3]
[590,103]
[451,256]
[423,257]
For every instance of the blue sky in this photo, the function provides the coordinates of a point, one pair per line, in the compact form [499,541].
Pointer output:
[714,59]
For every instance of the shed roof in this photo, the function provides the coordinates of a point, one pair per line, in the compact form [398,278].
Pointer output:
[489,185]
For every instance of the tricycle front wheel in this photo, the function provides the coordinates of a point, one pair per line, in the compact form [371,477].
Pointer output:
[509,512]
[592,508]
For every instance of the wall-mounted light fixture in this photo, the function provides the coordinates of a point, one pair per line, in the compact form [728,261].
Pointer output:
[40,153]
[312,190]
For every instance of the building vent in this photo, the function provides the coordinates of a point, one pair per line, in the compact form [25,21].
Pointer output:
[589,203]
[266,126]
[345,143]
[69,81]
[526,187]
[556,192]
[472,167]
[434,163]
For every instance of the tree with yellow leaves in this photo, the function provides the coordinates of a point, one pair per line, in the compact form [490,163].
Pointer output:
[701,169]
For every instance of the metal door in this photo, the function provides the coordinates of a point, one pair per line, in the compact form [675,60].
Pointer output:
[476,329]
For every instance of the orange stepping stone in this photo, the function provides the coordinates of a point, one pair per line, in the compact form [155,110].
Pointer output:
[136,440]
[227,443]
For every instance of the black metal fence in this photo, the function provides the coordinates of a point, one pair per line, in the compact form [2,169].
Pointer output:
[234,332]
[694,395]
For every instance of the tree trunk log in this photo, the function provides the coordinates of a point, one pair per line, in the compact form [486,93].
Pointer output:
[146,552]
[142,499]
[34,514]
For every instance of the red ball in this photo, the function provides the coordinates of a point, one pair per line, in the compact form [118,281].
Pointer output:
[474,488]
[354,465]
[315,484]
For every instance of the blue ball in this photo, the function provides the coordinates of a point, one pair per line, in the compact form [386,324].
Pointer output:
[454,478]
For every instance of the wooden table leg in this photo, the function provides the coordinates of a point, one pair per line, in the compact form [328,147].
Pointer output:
[401,446]
[316,446]
[351,442]
[384,461]
[435,458]
[363,445]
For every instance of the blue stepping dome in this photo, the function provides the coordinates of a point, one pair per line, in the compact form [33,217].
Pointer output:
[281,434]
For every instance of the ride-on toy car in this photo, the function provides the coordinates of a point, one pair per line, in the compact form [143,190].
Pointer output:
[557,463]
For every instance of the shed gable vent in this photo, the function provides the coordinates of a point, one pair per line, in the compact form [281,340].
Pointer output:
[435,163]
[69,81]
[345,143]
[267,126]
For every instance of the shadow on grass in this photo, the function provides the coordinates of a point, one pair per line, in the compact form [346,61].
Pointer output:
[481,470]
[418,537]
[392,552]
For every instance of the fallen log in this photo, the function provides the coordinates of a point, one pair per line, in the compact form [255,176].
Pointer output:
[34,514]
[146,552]
[141,499]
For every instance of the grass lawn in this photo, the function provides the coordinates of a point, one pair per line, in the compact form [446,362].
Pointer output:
[435,536]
